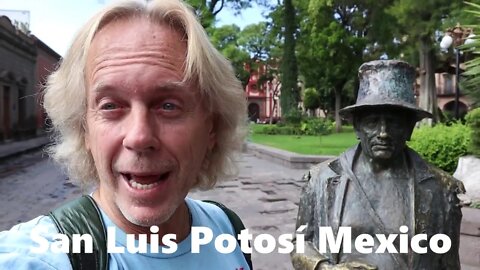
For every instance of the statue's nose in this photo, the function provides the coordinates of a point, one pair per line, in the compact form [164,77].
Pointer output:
[383,129]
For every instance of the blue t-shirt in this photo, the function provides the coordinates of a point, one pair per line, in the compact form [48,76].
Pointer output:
[16,243]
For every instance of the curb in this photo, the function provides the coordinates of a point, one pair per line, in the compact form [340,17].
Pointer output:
[285,158]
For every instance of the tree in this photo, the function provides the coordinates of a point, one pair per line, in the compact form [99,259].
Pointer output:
[472,74]
[311,99]
[225,39]
[289,70]
[206,10]
[257,40]
[335,37]
[419,24]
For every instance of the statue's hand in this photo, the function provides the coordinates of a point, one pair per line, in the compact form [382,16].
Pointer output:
[347,266]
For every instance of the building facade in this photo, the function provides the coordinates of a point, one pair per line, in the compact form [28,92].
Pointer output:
[25,62]
[446,84]
[263,94]
[17,82]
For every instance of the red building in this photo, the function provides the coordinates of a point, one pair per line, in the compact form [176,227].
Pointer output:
[263,93]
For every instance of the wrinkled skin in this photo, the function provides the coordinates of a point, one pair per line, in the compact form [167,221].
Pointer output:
[144,126]
[383,133]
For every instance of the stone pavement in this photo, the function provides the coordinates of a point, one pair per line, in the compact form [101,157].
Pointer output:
[265,195]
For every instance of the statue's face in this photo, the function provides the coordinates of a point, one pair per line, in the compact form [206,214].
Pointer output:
[383,132]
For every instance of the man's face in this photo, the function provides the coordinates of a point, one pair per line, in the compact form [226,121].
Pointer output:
[148,133]
[383,132]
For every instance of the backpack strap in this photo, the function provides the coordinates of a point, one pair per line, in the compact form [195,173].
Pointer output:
[237,226]
[82,216]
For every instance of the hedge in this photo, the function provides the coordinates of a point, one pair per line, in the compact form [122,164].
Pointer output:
[308,126]
[473,121]
[442,145]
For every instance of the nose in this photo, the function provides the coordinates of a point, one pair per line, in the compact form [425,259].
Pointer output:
[140,132]
[383,134]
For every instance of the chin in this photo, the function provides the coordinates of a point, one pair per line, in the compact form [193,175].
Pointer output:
[383,156]
[146,216]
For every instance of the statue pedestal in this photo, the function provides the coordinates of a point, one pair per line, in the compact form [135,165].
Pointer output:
[468,171]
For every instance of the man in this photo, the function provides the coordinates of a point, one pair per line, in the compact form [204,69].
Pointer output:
[380,185]
[144,109]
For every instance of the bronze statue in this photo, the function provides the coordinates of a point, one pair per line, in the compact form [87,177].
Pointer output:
[380,185]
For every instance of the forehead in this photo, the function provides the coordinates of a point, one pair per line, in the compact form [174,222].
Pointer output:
[136,35]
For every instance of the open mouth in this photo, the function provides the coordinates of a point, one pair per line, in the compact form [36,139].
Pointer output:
[145,182]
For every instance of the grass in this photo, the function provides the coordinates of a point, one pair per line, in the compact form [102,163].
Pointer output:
[332,144]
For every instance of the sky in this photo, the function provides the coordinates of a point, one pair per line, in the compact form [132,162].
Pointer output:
[55,22]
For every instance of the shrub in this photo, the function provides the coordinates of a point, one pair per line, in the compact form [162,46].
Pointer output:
[473,121]
[294,117]
[442,145]
[311,99]
[316,126]
[280,130]
[309,126]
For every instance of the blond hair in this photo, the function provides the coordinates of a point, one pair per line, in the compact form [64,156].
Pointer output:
[65,93]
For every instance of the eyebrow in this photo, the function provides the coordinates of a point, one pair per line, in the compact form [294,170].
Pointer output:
[166,86]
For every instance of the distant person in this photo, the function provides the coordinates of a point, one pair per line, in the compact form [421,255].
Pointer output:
[380,185]
[144,108]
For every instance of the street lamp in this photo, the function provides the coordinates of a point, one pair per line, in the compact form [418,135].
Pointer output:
[457,36]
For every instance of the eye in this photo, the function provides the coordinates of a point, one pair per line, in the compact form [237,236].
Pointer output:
[109,106]
[169,106]
[370,122]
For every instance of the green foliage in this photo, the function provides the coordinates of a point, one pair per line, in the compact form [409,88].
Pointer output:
[442,145]
[473,121]
[225,39]
[293,117]
[316,126]
[335,38]
[475,205]
[311,99]
[206,10]
[257,40]
[472,74]
[307,126]
[289,70]
[280,130]
[332,144]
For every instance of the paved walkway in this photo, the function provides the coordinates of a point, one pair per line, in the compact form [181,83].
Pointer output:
[265,195]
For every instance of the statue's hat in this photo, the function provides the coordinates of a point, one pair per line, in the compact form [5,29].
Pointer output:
[386,83]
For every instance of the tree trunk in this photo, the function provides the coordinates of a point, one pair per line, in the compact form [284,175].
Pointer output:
[338,103]
[289,71]
[427,91]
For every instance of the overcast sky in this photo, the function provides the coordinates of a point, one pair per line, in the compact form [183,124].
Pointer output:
[56,21]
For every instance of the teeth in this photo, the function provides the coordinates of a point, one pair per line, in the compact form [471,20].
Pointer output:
[141,186]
